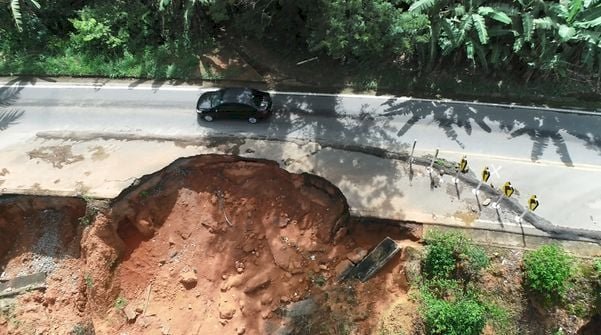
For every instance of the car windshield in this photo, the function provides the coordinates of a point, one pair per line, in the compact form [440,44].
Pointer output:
[242,96]
[210,100]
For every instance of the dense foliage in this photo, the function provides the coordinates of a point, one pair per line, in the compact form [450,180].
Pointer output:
[450,302]
[465,316]
[451,255]
[547,271]
[163,38]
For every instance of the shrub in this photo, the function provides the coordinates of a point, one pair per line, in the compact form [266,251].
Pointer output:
[472,260]
[440,258]
[441,288]
[597,266]
[547,270]
[96,33]
[465,316]
[451,253]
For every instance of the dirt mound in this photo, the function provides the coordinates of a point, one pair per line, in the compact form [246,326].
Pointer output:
[210,244]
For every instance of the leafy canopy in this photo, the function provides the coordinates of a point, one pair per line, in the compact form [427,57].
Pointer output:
[547,271]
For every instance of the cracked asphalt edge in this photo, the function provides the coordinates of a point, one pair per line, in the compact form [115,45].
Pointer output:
[470,179]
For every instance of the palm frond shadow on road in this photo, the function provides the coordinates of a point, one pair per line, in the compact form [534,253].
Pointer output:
[8,118]
[543,127]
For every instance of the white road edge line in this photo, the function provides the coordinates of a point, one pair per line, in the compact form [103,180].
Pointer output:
[342,95]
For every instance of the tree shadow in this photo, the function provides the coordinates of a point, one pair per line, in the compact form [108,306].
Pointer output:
[9,95]
[9,118]
[329,121]
[542,127]
[445,116]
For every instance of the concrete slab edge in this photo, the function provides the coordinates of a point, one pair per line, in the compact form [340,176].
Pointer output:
[538,222]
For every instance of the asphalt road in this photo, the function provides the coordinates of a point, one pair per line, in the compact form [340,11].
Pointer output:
[555,155]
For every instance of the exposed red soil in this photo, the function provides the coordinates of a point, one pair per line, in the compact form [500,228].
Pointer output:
[211,245]
[41,234]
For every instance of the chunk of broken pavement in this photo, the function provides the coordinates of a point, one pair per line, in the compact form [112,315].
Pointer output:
[357,255]
[375,260]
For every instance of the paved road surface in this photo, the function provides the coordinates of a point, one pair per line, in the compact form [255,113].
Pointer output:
[554,155]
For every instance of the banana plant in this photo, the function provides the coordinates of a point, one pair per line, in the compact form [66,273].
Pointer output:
[15,7]
[557,35]
[462,26]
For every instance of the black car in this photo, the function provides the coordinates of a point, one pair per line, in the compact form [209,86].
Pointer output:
[234,103]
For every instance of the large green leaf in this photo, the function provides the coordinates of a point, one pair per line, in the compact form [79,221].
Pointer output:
[35,3]
[574,8]
[559,9]
[494,14]
[464,27]
[452,33]
[527,26]
[518,44]
[591,37]
[589,24]
[480,26]
[446,46]
[506,8]
[15,6]
[591,18]
[481,53]
[469,50]
[545,23]
[421,5]
[566,32]
[163,4]
[459,10]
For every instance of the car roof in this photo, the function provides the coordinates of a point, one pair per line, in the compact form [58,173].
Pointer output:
[241,95]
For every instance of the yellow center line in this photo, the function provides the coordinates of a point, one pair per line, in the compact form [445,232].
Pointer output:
[541,162]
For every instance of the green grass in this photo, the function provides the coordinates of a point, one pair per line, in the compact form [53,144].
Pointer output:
[154,63]
[89,281]
[175,62]
[120,303]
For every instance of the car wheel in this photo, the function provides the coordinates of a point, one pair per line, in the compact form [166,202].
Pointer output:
[207,118]
[252,120]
